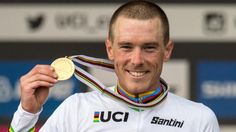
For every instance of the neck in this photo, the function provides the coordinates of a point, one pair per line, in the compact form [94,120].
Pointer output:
[143,98]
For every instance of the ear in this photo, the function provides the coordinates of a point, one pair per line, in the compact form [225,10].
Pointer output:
[109,49]
[168,50]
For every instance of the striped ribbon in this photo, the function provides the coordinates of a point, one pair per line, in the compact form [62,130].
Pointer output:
[95,84]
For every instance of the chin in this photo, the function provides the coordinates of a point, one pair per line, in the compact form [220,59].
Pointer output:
[136,89]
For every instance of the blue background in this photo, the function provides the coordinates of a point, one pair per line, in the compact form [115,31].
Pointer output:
[221,72]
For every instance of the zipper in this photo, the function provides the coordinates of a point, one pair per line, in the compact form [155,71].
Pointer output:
[140,99]
[138,121]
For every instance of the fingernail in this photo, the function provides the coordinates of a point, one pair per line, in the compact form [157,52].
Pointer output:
[51,68]
[54,75]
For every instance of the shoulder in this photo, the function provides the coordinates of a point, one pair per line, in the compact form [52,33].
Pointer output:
[188,107]
[198,111]
[178,100]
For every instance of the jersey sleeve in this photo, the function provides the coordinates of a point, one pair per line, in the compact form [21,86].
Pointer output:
[23,121]
[209,121]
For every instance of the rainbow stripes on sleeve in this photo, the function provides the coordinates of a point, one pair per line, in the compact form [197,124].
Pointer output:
[30,130]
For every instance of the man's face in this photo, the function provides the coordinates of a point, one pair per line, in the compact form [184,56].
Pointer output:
[138,53]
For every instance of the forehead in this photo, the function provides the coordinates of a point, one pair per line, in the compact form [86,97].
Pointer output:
[126,28]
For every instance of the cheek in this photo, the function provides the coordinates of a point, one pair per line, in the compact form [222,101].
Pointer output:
[156,62]
[155,58]
[119,57]
[118,63]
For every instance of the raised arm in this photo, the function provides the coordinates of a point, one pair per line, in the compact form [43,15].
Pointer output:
[34,92]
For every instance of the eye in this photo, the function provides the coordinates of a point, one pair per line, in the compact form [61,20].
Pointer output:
[125,46]
[150,47]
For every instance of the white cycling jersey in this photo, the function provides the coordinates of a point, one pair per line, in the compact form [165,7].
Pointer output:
[95,112]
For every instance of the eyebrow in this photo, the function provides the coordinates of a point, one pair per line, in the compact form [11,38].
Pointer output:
[124,43]
[146,43]
[151,43]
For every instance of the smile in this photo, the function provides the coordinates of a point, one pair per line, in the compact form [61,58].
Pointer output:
[137,73]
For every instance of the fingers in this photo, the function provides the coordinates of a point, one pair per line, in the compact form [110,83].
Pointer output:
[41,69]
[40,75]
[35,87]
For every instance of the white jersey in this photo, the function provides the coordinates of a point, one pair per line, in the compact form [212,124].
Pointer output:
[95,112]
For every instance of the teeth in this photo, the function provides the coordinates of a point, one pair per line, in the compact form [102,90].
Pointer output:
[137,74]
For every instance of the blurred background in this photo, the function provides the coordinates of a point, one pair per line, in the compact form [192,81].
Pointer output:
[202,68]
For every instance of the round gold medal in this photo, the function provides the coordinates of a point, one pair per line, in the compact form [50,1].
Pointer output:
[64,68]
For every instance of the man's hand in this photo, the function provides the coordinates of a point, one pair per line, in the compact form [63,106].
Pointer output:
[35,87]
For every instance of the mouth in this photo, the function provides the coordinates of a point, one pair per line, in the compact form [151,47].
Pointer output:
[137,74]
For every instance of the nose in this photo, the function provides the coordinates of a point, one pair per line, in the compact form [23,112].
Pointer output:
[137,57]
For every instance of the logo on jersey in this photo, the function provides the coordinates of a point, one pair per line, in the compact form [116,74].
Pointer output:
[106,116]
[167,122]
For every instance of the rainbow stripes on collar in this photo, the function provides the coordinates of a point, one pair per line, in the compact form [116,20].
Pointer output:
[95,84]
[142,98]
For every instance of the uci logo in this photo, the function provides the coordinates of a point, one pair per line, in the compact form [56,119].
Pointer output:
[107,116]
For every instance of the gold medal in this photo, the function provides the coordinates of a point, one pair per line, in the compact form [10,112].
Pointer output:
[64,68]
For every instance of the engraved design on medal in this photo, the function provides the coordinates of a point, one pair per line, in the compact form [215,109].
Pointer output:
[64,68]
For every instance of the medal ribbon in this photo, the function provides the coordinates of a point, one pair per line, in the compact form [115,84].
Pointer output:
[95,84]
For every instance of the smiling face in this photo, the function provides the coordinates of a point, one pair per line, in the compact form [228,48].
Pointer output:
[138,53]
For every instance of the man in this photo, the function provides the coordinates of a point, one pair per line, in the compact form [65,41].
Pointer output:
[138,44]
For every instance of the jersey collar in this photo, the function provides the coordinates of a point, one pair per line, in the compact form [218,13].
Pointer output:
[141,98]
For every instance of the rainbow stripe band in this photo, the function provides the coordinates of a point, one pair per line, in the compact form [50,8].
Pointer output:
[11,129]
[95,61]
[143,98]
[96,117]
[30,130]
[95,84]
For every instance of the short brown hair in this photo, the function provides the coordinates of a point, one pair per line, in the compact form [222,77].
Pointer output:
[143,10]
